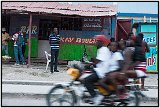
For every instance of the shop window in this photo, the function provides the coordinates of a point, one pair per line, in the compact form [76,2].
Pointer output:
[71,23]
[5,22]
[45,28]
[63,23]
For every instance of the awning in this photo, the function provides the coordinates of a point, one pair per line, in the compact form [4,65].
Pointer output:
[62,8]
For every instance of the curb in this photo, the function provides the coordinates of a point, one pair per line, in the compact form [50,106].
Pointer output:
[37,88]
[33,82]
[24,95]
[27,88]
[29,82]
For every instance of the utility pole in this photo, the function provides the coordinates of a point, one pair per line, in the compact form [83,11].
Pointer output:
[29,41]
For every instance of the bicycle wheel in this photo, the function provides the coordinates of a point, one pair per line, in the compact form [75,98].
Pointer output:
[59,96]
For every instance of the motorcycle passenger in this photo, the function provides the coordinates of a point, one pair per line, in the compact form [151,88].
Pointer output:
[145,49]
[116,58]
[139,61]
[116,62]
[139,58]
[134,58]
[102,64]
[127,52]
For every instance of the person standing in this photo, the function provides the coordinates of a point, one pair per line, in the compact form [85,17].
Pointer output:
[5,39]
[18,40]
[25,38]
[24,43]
[54,41]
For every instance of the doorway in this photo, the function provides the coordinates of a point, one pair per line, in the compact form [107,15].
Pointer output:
[124,27]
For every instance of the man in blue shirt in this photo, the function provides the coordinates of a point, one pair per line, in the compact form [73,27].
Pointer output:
[54,41]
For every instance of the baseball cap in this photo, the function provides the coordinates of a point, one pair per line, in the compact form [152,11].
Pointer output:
[103,39]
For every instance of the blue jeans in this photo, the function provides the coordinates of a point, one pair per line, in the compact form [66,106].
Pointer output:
[18,50]
[5,48]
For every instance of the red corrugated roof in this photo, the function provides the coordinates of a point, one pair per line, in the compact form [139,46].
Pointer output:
[74,7]
[38,10]
[67,9]
[44,4]
[13,8]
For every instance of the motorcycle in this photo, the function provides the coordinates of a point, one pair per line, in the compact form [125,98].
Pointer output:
[74,93]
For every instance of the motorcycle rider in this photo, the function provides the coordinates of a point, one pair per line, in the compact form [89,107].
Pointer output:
[101,62]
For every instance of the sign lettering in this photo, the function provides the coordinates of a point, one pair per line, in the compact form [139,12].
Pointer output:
[92,24]
[152,60]
[92,19]
[73,40]
[26,29]
[150,38]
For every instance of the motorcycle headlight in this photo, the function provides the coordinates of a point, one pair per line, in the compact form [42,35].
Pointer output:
[74,73]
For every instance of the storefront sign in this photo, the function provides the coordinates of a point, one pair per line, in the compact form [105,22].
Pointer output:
[72,40]
[150,38]
[152,60]
[92,24]
[26,29]
[92,19]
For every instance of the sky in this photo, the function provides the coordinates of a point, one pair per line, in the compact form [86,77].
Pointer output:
[131,7]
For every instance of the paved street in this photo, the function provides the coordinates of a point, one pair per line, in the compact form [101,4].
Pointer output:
[23,86]
[37,73]
[35,95]
[41,101]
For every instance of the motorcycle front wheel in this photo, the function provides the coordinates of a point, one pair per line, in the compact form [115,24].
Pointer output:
[61,96]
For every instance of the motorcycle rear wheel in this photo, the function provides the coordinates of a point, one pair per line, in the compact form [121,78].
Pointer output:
[133,100]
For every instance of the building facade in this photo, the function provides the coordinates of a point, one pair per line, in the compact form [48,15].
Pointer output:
[77,24]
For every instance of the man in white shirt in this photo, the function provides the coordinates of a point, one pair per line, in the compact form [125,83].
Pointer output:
[116,58]
[115,65]
[101,62]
